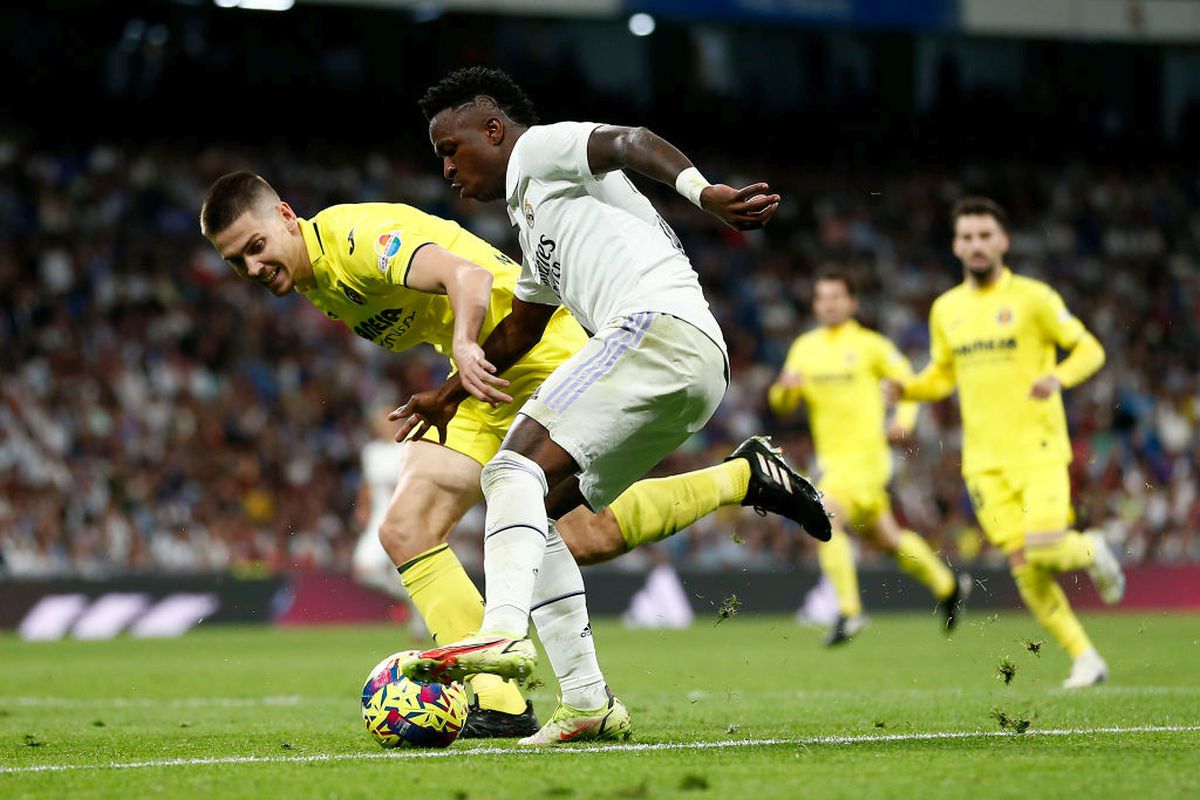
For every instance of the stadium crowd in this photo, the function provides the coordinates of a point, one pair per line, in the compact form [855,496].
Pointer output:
[158,414]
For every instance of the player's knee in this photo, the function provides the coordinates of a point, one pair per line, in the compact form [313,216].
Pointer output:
[1016,558]
[403,540]
[508,466]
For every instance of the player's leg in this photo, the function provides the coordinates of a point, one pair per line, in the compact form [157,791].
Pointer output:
[836,559]
[914,555]
[616,424]
[516,533]
[587,709]
[1000,508]
[1051,545]
[1048,603]
[435,488]
[655,508]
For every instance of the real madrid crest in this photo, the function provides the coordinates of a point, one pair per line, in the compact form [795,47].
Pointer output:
[528,213]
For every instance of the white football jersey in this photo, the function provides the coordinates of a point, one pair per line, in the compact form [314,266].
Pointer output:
[594,243]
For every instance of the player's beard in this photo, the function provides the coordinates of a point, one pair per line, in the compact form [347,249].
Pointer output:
[984,274]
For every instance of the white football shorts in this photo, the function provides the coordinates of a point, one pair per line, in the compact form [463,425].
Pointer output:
[631,395]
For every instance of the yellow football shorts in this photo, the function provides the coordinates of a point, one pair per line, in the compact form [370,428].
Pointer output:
[1014,501]
[478,429]
[862,497]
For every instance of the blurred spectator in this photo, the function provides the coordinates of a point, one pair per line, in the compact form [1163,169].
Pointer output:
[156,416]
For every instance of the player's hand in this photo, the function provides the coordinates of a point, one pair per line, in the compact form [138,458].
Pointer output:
[744,209]
[790,380]
[424,410]
[478,375]
[1045,387]
[897,434]
[893,391]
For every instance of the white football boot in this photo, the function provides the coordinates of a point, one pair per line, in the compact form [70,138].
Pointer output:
[1089,669]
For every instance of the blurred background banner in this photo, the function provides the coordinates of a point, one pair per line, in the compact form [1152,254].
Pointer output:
[159,418]
[140,606]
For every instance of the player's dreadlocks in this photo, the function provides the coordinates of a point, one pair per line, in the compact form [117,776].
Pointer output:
[464,85]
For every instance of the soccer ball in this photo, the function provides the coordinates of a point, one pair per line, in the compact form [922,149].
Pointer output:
[404,713]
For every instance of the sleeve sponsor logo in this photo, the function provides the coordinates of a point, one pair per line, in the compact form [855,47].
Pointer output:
[387,245]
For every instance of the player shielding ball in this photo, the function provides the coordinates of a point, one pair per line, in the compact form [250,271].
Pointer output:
[399,277]
[835,371]
[995,337]
[651,375]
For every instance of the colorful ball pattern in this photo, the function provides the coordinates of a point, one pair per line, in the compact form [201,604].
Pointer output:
[404,713]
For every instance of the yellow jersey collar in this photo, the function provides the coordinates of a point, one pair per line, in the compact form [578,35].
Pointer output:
[316,251]
[849,326]
[1001,283]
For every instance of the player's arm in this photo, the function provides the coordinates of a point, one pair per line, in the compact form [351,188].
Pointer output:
[612,147]
[933,383]
[893,365]
[468,286]
[512,338]
[1085,360]
[1085,356]
[787,392]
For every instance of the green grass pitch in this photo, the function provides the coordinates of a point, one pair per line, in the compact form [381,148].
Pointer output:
[748,708]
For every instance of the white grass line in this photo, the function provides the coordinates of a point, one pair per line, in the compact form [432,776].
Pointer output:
[615,748]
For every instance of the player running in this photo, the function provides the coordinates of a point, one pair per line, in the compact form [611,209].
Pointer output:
[399,277]
[835,370]
[651,375]
[994,336]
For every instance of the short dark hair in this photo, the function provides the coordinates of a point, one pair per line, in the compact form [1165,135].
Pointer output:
[976,205]
[842,275]
[464,85]
[229,197]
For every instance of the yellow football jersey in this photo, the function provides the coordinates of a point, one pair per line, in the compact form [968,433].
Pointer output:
[841,369]
[995,343]
[361,253]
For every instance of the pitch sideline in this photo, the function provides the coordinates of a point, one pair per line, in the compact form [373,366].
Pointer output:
[616,748]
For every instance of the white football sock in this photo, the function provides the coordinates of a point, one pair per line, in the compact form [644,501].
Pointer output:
[561,616]
[514,539]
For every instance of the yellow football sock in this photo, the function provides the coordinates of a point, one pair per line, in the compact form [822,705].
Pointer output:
[653,509]
[837,562]
[452,609]
[917,559]
[1070,552]
[1045,600]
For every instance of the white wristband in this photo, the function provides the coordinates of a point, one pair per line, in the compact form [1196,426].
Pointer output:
[690,183]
